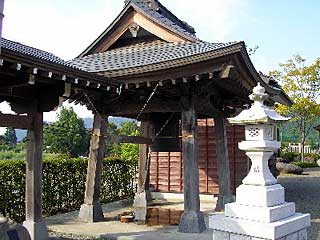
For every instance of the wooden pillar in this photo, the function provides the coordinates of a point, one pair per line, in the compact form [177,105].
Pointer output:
[142,195]
[225,194]
[34,223]
[192,220]
[91,210]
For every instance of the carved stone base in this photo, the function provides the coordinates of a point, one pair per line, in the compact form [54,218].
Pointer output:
[253,230]
[220,235]
[91,213]
[192,222]
[37,230]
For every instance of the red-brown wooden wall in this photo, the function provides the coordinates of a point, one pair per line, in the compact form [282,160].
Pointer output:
[166,168]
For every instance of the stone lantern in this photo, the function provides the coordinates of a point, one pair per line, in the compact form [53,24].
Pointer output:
[260,211]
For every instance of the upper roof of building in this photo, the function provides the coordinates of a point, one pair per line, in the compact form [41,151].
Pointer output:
[155,10]
[149,15]
[139,57]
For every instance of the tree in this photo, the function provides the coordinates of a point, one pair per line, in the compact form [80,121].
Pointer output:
[9,138]
[302,84]
[67,135]
[129,151]
[125,151]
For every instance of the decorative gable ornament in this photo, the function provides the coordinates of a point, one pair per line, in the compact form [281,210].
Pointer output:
[134,29]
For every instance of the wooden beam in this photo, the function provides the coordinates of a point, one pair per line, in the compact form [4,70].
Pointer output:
[225,194]
[15,121]
[192,220]
[34,222]
[128,139]
[142,195]
[91,210]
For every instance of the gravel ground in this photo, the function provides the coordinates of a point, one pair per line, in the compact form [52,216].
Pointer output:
[304,190]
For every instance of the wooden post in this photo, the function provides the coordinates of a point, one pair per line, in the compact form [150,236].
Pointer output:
[192,220]
[91,210]
[34,223]
[225,194]
[143,196]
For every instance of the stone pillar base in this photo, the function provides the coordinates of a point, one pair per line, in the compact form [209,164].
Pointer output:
[220,235]
[192,222]
[140,215]
[222,201]
[91,213]
[37,230]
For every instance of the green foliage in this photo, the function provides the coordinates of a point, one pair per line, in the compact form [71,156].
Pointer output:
[67,135]
[305,164]
[12,155]
[126,151]
[302,84]
[290,156]
[63,184]
[315,156]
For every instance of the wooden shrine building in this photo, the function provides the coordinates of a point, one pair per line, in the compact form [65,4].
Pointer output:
[150,66]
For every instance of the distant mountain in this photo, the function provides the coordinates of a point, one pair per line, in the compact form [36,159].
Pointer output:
[88,122]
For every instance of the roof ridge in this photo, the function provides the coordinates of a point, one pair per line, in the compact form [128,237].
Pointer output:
[163,18]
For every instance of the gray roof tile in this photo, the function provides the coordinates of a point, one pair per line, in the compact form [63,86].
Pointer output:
[143,54]
[165,17]
[32,52]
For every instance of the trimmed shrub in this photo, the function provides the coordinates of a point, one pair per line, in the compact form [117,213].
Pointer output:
[306,164]
[290,156]
[63,185]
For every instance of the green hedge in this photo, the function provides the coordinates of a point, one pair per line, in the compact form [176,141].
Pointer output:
[305,164]
[63,185]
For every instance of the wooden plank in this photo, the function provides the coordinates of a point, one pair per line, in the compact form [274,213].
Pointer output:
[128,139]
[15,121]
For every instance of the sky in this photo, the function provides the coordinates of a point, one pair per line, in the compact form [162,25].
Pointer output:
[280,28]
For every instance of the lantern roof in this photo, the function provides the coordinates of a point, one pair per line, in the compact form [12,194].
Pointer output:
[258,113]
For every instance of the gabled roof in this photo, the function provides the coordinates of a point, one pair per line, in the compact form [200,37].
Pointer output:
[155,12]
[163,16]
[144,57]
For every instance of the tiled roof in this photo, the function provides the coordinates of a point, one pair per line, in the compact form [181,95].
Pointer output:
[145,54]
[32,52]
[164,17]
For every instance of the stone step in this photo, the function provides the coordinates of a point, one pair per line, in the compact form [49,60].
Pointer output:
[260,214]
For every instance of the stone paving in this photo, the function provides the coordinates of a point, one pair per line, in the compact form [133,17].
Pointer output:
[66,226]
[304,190]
